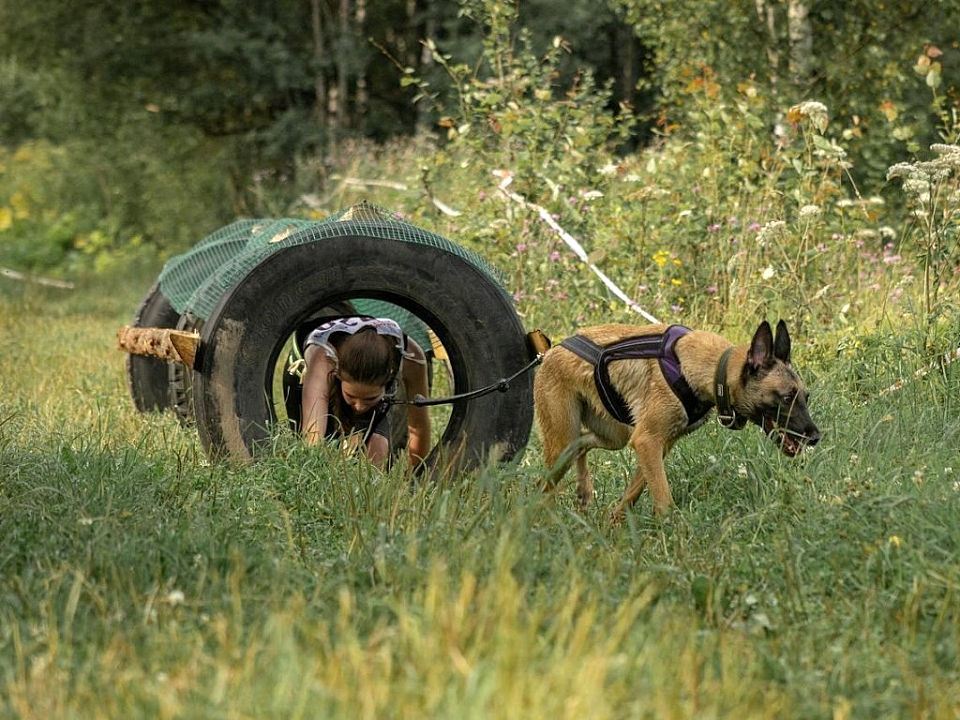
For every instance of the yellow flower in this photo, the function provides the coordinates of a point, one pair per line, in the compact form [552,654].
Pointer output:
[20,205]
[894,541]
[6,218]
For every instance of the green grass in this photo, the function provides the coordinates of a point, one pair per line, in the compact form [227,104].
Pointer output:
[139,580]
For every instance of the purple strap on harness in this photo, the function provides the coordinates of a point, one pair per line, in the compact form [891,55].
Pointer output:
[669,363]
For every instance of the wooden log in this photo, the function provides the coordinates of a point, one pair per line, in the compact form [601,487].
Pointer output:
[163,343]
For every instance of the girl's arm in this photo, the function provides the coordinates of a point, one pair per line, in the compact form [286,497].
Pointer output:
[316,393]
[418,418]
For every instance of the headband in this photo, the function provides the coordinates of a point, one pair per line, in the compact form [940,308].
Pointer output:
[351,325]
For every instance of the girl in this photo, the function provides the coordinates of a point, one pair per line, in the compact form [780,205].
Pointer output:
[352,366]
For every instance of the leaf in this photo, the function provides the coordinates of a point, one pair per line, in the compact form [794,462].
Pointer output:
[889,110]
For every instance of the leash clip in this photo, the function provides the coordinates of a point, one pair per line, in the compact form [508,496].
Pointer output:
[728,421]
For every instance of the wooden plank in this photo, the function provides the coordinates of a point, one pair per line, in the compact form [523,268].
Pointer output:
[163,343]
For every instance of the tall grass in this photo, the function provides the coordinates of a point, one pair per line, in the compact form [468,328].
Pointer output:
[138,580]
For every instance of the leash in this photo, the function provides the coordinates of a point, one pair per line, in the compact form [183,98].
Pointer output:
[537,340]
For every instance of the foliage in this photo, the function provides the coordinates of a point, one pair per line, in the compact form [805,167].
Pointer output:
[504,109]
[174,118]
[83,205]
[933,190]
[860,64]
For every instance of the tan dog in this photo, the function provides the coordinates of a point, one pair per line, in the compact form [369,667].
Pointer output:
[661,381]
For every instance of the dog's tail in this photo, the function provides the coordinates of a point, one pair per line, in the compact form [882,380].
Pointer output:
[555,474]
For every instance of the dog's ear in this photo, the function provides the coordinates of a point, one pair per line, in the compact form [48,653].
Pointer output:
[761,347]
[781,346]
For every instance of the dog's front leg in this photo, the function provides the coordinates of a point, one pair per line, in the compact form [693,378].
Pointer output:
[649,453]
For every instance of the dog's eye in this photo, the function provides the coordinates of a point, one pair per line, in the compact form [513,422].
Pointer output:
[789,398]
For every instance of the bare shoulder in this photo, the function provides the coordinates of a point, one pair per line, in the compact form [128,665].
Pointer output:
[317,356]
[416,352]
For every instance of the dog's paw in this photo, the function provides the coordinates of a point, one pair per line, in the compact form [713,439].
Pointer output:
[585,499]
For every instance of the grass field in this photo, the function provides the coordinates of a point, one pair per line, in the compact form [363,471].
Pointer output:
[137,580]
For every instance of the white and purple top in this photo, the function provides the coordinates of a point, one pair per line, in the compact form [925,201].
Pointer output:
[350,325]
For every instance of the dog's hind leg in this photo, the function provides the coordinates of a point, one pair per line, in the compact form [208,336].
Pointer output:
[559,422]
[650,471]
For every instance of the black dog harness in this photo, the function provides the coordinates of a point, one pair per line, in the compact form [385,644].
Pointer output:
[643,347]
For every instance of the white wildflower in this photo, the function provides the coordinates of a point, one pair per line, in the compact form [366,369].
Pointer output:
[900,170]
[815,111]
[773,230]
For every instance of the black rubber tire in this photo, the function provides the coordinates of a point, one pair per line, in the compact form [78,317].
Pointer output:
[148,377]
[471,314]
[180,378]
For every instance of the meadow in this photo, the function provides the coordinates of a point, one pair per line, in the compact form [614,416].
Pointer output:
[138,579]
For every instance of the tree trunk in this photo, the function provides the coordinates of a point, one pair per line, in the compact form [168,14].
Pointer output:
[360,99]
[800,36]
[766,14]
[343,65]
[319,53]
[424,62]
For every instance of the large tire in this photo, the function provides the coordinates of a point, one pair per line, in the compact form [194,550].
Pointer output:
[148,377]
[470,313]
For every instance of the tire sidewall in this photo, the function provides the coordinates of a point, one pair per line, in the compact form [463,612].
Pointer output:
[147,377]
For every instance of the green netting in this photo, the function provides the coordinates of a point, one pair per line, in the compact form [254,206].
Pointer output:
[195,281]
[183,275]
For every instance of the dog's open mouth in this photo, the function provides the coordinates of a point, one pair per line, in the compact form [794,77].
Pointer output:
[790,444]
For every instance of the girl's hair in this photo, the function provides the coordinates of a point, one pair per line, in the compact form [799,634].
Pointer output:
[368,358]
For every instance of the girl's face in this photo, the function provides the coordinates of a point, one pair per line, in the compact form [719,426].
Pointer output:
[361,396]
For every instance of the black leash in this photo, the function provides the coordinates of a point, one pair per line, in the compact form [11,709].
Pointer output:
[538,341]
[502,385]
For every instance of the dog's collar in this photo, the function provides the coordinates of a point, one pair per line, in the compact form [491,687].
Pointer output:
[726,415]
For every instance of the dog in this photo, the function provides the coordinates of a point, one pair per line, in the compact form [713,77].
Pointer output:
[649,385]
